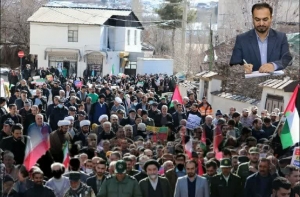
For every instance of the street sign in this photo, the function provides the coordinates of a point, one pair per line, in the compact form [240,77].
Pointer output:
[21,54]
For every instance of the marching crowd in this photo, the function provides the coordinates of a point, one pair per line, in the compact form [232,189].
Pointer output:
[101,144]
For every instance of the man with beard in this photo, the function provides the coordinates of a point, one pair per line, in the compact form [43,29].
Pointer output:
[129,163]
[59,184]
[191,184]
[16,143]
[10,168]
[72,131]
[226,184]
[245,119]
[114,119]
[12,115]
[85,130]
[154,185]
[178,115]
[120,184]
[281,187]
[96,181]
[130,120]
[59,139]
[59,113]
[39,189]
[107,133]
[211,170]
[263,177]
[257,131]
[80,117]
[179,171]
[262,55]
[78,188]
[91,148]
[292,174]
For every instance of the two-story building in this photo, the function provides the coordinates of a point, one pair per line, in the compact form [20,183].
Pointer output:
[106,40]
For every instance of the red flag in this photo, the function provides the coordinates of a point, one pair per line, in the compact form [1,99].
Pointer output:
[203,137]
[176,96]
[200,168]
[188,147]
[217,140]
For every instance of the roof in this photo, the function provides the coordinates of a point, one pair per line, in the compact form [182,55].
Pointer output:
[286,84]
[235,97]
[206,74]
[75,15]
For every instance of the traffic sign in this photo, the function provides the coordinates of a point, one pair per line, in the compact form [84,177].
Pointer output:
[21,54]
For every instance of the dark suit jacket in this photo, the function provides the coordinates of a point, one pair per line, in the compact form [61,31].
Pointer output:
[92,182]
[164,183]
[246,47]
[176,120]
[252,185]
[157,119]
[172,178]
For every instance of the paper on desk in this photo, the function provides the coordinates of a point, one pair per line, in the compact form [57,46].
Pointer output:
[258,74]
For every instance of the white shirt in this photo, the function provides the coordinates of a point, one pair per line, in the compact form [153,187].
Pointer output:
[226,178]
[154,183]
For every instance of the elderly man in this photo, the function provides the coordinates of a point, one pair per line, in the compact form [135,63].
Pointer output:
[10,168]
[59,139]
[59,184]
[117,105]
[128,131]
[77,188]
[99,128]
[163,118]
[142,174]
[108,133]
[91,148]
[72,131]
[59,113]
[20,102]
[81,115]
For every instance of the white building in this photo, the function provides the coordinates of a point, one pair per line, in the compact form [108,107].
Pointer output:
[79,38]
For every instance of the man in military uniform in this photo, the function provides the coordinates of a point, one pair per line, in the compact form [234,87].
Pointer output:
[246,169]
[78,189]
[120,184]
[226,184]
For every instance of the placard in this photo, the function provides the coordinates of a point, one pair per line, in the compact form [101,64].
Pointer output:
[193,121]
[49,77]
[78,84]
[296,157]
[159,133]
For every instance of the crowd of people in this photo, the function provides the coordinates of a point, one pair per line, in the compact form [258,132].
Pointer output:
[111,152]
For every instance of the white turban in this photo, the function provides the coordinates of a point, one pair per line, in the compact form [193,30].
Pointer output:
[104,116]
[118,100]
[63,123]
[85,123]
[70,118]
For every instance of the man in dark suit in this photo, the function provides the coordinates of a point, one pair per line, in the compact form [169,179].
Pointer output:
[178,115]
[154,185]
[262,48]
[226,184]
[96,181]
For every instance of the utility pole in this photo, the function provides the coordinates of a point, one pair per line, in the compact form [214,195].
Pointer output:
[183,33]
[211,48]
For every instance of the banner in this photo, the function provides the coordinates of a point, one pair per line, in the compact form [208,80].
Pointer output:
[193,121]
[296,157]
[159,133]
[78,84]
[38,82]
[49,77]
[140,84]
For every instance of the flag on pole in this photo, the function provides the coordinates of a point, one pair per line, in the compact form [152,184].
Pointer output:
[37,146]
[66,159]
[200,168]
[216,142]
[176,96]
[112,70]
[290,132]
[187,142]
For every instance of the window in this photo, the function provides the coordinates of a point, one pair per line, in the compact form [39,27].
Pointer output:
[135,37]
[73,34]
[128,37]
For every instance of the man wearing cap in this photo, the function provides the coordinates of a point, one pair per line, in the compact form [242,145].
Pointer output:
[245,119]
[117,105]
[59,139]
[85,130]
[78,188]
[59,113]
[8,190]
[226,184]
[120,184]
[253,114]
[99,108]
[20,102]
[153,185]
[6,130]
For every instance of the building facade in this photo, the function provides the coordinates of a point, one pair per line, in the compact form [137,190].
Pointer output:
[104,40]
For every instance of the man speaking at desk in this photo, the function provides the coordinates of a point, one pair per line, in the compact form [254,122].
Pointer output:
[262,48]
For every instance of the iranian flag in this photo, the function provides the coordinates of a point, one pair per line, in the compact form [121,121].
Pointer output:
[176,96]
[66,159]
[38,145]
[290,132]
